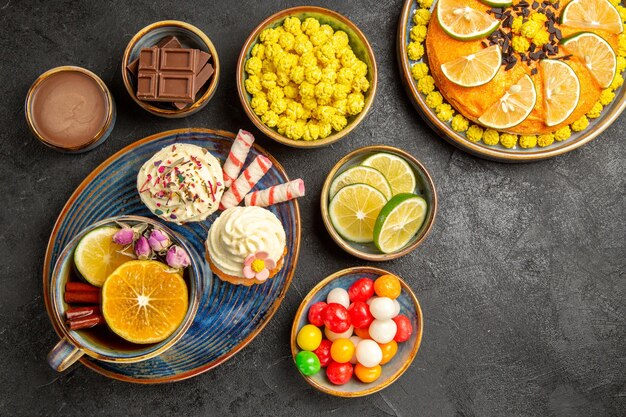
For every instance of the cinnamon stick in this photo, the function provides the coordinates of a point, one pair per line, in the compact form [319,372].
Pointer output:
[80,286]
[84,297]
[79,312]
[85,322]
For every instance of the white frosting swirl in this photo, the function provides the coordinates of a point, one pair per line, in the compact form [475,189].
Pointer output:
[181,183]
[242,231]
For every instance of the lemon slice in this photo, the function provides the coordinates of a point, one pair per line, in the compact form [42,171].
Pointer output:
[353,211]
[96,255]
[474,69]
[513,107]
[592,14]
[561,90]
[596,54]
[464,23]
[361,175]
[497,3]
[397,171]
[399,221]
[144,301]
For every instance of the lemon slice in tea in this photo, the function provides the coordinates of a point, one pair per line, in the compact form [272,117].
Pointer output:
[561,90]
[474,69]
[96,255]
[399,221]
[464,23]
[361,175]
[397,171]
[144,301]
[592,14]
[353,211]
[596,54]
[513,107]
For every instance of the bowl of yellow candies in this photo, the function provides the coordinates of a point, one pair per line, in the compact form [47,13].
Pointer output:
[306,76]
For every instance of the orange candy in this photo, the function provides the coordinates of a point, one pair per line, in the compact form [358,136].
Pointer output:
[366,374]
[389,351]
[342,350]
[363,333]
[387,286]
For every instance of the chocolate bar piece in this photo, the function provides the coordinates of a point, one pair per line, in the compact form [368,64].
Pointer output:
[167,74]
[201,78]
[166,42]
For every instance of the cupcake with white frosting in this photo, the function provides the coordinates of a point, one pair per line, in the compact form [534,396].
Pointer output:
[246,245]
[181,183]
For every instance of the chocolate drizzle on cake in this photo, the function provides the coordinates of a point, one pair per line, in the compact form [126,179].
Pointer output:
[503,36]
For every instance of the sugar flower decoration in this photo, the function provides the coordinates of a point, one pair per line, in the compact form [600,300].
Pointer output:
[258,266]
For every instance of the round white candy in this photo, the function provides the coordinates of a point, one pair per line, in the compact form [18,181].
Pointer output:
[382,308]
[332,336]
[383,331]
[396,310]
[368,353]
[339,296]
[355,341]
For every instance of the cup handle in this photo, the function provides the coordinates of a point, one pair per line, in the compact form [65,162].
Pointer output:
[63,355]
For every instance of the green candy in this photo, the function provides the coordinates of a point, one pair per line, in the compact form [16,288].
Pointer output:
[308,363]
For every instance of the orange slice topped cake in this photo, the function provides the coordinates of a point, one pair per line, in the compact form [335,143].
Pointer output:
[496,69]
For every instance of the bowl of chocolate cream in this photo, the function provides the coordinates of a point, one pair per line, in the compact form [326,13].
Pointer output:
[70,109]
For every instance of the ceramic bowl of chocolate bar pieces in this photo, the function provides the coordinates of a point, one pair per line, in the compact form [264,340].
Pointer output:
[171,69]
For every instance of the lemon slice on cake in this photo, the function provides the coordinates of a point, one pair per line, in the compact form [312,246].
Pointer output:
[592,14]
[596,54]
[561,90]
[464,23]
[474,69]
[513,107]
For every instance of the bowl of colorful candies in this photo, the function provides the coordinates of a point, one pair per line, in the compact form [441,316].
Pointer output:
[356,332]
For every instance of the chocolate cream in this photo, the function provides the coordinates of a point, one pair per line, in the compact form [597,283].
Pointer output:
[69,108]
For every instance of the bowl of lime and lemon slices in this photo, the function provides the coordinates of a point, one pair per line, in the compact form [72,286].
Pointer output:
[378,203]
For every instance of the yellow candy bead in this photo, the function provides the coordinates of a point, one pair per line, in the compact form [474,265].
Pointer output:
[309,337]
[341,350]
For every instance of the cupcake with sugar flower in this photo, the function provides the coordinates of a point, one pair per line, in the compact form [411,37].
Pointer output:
[246,245]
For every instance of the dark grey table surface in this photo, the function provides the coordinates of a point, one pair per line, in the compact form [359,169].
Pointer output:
[522,281]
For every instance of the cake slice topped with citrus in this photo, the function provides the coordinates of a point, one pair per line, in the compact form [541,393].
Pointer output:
[561,90]
[463,22]
[397,171]
[474,69]
[513,107]
[96,255]
[144,301]
[596,54]
[592,14]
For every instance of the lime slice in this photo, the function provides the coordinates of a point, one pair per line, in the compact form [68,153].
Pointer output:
[596,54]
[464,23]
[96,256]
[592,14]
[474,69]
[399,221]
[353,211]
[513,107]
[561,90]
[361,175]
[397,171]
[497,3]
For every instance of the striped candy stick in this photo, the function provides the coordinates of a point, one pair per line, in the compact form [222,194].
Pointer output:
[245,182]
[237,156]
[276,194]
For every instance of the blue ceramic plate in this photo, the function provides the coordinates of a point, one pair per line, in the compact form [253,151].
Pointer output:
[229,316]
[409,306]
